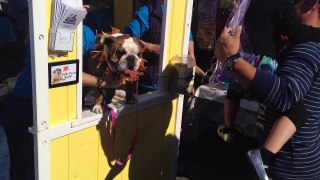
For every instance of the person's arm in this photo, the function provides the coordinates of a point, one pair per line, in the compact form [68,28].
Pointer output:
[290,25]
[246,74]
[228,45]
[152,48]
[191,46]
[191,50]
[90,7]
[139,23]
[293,79]
[108,82]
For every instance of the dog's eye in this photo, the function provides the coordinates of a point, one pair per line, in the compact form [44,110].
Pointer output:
[120,53]
[114,59]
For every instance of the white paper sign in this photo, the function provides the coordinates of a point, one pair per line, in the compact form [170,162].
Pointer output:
[63,73]
[67,16]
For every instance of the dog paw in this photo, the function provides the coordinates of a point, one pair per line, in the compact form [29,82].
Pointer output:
[97,109]
[120,93]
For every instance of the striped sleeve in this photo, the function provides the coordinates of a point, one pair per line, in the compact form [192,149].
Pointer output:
[293,77]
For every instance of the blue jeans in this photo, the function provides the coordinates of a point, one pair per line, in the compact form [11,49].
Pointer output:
[4,156]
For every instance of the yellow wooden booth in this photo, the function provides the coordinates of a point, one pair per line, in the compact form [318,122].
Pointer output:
[75,144]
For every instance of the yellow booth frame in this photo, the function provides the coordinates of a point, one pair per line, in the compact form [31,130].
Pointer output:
[75,144]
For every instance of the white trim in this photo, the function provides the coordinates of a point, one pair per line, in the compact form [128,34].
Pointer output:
[79,56]
[39,60]
[164,35]
[67,127]
[179,116]
[177,132]
[184,51]
[185,48]
[39,66]
[42,155]
[187,27]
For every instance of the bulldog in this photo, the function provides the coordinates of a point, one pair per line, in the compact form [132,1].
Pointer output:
[118,55]
[56,76]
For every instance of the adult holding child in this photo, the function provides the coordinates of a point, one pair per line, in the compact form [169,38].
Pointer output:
[296,80]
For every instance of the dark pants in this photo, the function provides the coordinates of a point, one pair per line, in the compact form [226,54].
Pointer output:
[4,156]
[16,115]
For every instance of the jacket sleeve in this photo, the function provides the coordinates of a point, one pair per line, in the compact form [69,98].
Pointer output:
[292,80]
[139,24]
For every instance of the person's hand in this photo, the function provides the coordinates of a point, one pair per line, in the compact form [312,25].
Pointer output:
[153,48]
[112,81]
[86,6]
[227,44]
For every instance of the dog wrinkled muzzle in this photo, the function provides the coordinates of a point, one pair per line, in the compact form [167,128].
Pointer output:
[131,62]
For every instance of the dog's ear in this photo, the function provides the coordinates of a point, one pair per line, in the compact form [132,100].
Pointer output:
[108,45]
[109,41]
[140,44]
[115,30]
[104,36]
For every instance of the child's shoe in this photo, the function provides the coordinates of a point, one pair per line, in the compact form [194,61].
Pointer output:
[227,134]
[256,161]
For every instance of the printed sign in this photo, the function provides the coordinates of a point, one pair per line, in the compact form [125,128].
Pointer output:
[63,73]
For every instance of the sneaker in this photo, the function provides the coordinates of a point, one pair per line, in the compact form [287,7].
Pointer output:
[256,161]
[225,136]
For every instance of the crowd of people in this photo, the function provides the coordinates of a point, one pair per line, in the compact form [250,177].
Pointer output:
[283,76]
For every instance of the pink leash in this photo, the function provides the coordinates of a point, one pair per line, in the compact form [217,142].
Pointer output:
[135,136]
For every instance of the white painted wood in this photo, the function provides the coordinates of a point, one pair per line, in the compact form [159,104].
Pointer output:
[164,35]
[39,60]
[186,37]
[79,56]
[42,154]
[177,135]
[179,116]
[187,26]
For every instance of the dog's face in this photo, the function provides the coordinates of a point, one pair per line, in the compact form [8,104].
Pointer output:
[123,56]
[123,52]
[56,75]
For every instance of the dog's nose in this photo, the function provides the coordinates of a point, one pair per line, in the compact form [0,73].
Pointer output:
[131,59]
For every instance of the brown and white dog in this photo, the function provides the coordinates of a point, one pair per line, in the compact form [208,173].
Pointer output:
[119,54]
[56,76]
